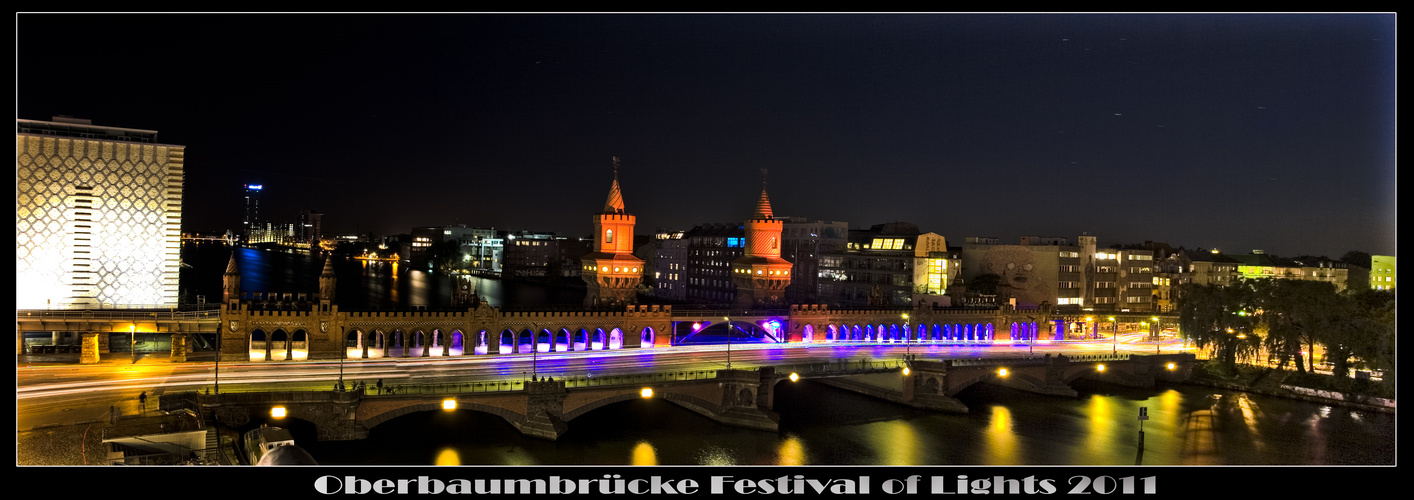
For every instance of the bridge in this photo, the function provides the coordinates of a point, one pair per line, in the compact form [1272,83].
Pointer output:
[257,326]
[286,327]
[744,398]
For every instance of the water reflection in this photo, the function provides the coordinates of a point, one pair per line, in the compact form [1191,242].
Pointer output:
[792,451]
[644,454]
[448,456]
[1001,438]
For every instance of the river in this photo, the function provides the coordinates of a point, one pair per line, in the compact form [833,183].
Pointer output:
[820,425]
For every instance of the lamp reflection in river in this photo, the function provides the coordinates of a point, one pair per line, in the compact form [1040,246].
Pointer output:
[448,456]
[644,454]
[1001,439]
[896,443]
[792,451]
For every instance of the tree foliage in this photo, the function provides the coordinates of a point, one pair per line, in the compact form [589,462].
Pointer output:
[1219,317]
[1290,318]
[985,284]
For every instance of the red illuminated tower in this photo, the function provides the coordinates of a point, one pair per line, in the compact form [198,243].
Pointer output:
[611,270]
[761,275]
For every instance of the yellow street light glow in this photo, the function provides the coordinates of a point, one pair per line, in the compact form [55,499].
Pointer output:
[1002,372]
[449,404]
[905,370]
[1172,366]
[278,412]
[647,392]
[1100,367]
[794,376]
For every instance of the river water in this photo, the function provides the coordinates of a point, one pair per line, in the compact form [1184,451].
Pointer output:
[820,425]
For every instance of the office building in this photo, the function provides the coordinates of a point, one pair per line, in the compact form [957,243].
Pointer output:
[98,215]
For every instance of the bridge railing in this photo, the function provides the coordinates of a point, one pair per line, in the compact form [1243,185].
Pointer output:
[842,367]
[118,314]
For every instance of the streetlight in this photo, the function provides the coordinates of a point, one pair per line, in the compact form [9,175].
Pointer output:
[1158,339]
[1116,334]
[728,319]
[535,351]
[907,336]
[132,341]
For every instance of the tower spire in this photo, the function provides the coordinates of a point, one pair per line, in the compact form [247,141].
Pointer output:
[763,205]
[615,203]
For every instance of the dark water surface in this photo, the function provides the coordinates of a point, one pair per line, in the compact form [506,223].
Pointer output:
[824,426]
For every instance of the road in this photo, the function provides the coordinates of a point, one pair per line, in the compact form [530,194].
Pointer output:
[76,393]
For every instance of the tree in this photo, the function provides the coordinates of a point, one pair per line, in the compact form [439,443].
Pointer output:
[1219,317]
[1295,313]
[985,284]
[1356,258]
[1363,332]
[445,256]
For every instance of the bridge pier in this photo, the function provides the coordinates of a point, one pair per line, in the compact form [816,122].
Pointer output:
[93,343]
[545,406]
[179,348]
[746,399]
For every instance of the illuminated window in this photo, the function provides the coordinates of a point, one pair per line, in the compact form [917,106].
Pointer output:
[608,236]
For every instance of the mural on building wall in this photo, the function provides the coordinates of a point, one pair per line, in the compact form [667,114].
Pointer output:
[1021,277]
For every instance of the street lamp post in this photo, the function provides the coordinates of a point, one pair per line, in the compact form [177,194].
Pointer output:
[218,361]
[1157,338]
[1116,335]
[729,341]
[535,351]
[132,341]
[907,337]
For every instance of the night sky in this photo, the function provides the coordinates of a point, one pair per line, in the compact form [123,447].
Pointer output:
[1240,132]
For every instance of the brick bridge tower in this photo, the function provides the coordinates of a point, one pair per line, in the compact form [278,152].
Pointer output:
[231,284]
[761,275]
[611,270]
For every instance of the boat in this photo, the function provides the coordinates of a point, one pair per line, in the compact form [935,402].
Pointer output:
[264,440]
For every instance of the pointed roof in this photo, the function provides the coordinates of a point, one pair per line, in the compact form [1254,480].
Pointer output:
[328,268]
[231,266]
[615,203]
[763,206]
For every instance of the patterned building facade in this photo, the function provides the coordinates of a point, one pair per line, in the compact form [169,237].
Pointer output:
[98,215]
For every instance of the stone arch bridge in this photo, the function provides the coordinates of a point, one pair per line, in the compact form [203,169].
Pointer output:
[743,398]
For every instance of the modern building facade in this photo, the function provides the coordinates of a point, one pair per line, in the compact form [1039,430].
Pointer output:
[1382,272]
[882,265]
[669,265]
[98,215]
[805,240]
[711,249]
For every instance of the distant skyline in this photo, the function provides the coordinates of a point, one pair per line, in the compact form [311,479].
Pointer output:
[1236,131]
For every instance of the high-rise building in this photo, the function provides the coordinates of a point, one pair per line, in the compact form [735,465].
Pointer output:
[98,215]
[252,209]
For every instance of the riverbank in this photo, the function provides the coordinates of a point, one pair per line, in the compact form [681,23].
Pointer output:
[1282,384]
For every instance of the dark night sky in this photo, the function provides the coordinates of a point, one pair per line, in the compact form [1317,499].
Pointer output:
[1240,132]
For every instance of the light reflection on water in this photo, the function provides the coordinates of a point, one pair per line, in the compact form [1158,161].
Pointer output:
[825,426]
